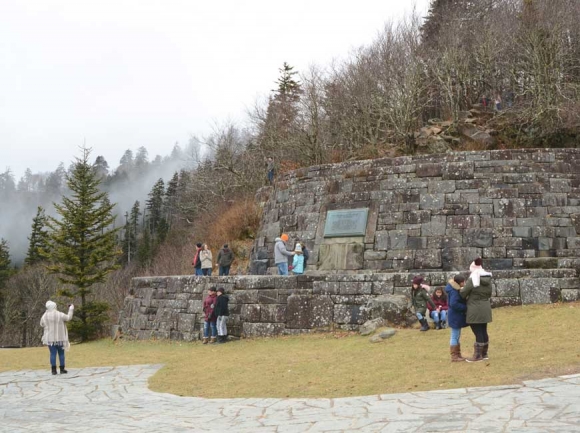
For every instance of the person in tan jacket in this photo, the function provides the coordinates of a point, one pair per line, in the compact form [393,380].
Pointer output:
[206,260]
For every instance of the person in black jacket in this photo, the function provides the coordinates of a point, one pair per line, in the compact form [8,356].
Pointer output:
[222,313]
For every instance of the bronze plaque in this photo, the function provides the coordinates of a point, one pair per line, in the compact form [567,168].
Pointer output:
[346,222]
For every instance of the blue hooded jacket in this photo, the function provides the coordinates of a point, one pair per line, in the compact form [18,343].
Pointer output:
[457,306]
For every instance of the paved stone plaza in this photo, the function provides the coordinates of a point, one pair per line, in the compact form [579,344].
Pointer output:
[117,399]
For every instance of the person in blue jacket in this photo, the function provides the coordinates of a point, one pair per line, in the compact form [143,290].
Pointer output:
[456,318]
[298,261]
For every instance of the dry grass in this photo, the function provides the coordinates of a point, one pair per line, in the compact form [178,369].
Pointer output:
[525,342]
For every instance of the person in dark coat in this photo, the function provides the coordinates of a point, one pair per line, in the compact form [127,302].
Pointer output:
[222,312]
[456,315]
[196,262]
[477,291]
[420,299]
[225,258]
[209,316]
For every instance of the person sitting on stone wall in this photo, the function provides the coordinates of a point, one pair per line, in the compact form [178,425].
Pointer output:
[281,254]
[439,315]
[420,299]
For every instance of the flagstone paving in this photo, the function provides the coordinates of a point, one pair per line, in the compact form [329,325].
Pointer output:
[117,399]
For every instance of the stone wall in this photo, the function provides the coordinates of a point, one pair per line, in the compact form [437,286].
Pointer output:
[514,208]
[171,307]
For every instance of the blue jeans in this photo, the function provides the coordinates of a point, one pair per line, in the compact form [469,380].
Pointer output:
[419,316]
[206,326]
[206,272]
[53,351]
[271,176]
[198,271]
[224,270]
[455,336]
[439,316]
[282,268]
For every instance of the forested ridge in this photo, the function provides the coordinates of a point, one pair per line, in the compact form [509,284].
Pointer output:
[425,84]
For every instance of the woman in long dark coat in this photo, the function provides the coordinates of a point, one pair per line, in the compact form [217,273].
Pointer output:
[477,291]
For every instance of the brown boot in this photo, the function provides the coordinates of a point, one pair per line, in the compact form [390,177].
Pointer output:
[456,354]
[205,340]
[212,340]
[484,350]
[477,349]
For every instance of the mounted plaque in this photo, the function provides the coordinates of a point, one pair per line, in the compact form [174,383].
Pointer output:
[346,222]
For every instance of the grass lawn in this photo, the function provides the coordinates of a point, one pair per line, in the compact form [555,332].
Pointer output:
[525,342]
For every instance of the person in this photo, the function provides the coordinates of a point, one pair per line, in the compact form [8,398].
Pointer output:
[281,254]
[298,261]
[225,258]
[420,299]
[206,260]
[497,102]
[270,168]
[477,291]
[456,316]
[222,313]
[196,260]
[439,315]
[55,334]
[305,253]
[209,316]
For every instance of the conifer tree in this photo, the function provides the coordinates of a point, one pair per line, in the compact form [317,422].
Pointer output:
[83,245]
[5,272]
[38,240]
[171,199]
[5,267]
[155,206]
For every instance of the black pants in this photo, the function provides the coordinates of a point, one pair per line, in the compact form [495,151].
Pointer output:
[480,332]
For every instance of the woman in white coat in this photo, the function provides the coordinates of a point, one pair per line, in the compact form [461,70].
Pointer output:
[55,334]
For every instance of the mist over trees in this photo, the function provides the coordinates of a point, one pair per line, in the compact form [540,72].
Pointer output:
[525,53]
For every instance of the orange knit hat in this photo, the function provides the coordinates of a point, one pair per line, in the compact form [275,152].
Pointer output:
[284,237]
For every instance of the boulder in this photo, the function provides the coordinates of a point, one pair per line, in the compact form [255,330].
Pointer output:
[394,309]
[371,326]
[383,335]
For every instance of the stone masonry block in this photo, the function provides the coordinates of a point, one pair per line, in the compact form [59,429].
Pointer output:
[539,290]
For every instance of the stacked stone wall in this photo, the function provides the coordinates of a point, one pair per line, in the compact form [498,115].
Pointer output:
[171,307]
[514,208]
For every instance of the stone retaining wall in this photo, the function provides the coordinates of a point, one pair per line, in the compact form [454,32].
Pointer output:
[171,307]
[514,208]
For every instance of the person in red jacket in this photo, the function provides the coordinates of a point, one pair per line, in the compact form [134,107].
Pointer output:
[209,316]
[439,313]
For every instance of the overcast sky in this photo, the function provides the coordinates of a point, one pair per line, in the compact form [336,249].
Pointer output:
[123,74]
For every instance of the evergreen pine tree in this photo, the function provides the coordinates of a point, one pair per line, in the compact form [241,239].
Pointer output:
[5,264]
[83,246]
[171,199]
[5,272]
[155,206]
[144,251]
[38,240]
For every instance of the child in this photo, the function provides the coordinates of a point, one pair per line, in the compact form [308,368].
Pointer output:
[209,316]
[222,313]
[439,315]
[298,261]
[457,310]
[420,299]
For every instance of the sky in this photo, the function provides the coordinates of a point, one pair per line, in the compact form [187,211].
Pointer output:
[121,74]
